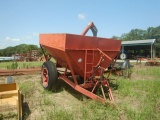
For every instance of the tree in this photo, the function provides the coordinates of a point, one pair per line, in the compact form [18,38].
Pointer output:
[115,37]
[139,34]
[134,34]
[22,48]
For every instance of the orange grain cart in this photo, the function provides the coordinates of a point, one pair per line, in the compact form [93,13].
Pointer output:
[84,58]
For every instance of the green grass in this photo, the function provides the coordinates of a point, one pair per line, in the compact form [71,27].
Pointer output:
[5,65]
[153,72]
[135,99]
[21,64]
[90,110]
[142,96]
[27,88]
[9,116]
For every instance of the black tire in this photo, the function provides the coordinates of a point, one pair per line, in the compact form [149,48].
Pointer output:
[49,75]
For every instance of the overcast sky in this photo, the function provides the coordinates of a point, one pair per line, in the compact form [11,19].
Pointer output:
[21,21]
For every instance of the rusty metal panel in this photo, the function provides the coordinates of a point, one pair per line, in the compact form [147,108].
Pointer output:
[56,41]
[79,42]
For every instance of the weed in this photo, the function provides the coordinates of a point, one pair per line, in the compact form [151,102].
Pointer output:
[11,65]
[148,72]
[24,65]
[27,88]
[46,92]
[28,77]
[63,115]
[145,93]
[9,116]
[47,101]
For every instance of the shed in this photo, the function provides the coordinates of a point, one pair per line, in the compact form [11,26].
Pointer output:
[139,48]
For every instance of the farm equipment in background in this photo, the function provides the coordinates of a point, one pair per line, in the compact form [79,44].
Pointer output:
[31,55]
[152,63]
[80,56]
[123,68]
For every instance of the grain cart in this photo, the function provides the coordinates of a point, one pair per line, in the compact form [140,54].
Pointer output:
[84,58]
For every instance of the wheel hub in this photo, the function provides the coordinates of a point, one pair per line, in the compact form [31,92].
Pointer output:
[45,77]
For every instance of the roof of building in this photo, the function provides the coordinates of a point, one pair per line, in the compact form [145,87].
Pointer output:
[138,42]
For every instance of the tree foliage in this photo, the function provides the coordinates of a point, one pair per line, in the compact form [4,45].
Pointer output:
[139,34]
[22,48]
[134,34]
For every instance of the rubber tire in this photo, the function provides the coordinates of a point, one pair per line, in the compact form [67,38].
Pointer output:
[52,75]
[123,56]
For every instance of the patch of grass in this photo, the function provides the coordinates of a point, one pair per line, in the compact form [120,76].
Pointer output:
[60,115]
[138,100]
[27,88]
[46,92]
[141,96]
[9,65]
[95,110]
[88,111]
[153,72]
[47,101]
[28,77]
[9,116]
[135,99]
[127,88]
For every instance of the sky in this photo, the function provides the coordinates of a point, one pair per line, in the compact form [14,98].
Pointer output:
[21,21]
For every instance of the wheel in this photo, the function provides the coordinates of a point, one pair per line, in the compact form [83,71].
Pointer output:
[49,75]
[123,56]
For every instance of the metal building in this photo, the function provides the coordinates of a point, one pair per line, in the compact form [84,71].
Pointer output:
[138,48]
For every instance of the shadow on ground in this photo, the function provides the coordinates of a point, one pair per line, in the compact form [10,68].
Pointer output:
[61,85]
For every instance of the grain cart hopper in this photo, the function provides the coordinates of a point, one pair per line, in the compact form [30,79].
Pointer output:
[83,57]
